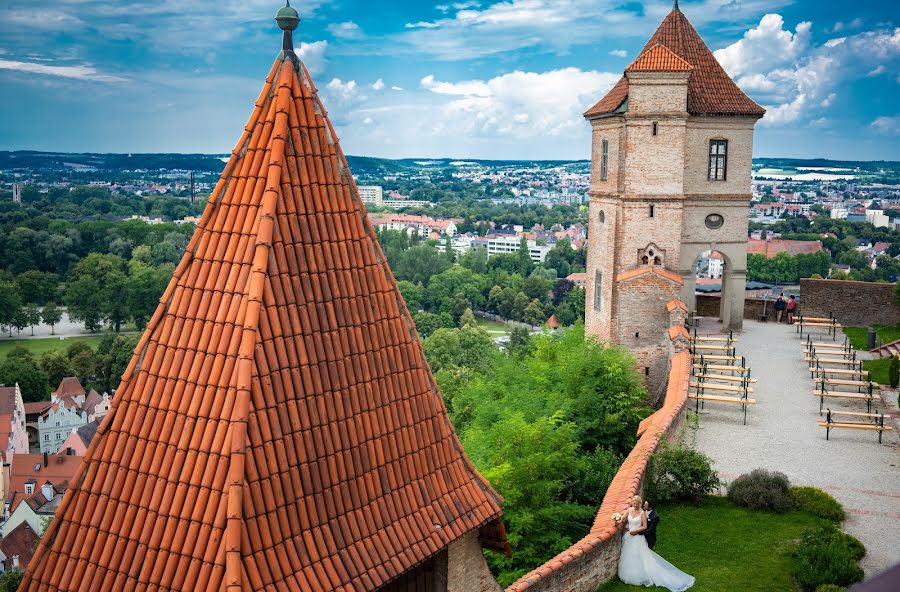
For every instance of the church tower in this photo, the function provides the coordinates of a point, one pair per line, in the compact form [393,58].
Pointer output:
[670,180]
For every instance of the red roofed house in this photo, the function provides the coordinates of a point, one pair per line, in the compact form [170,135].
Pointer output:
[17,548]
[579,279]
[32,476]
[670,178]
[773,246]
[278,427]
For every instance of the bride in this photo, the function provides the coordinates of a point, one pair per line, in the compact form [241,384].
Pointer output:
[640,566]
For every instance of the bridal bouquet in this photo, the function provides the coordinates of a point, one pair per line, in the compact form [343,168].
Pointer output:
[617,518]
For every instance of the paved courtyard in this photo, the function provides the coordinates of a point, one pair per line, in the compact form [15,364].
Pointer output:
[782,434]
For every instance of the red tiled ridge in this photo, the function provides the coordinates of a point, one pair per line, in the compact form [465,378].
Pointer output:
[627,481]
[278,427]
[677,331]
[659,58]
[676,303]
[639,271]
[710,90]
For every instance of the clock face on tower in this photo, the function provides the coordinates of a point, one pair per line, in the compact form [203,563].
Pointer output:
[714,221]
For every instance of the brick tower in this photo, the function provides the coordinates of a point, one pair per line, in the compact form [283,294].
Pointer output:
[670,180]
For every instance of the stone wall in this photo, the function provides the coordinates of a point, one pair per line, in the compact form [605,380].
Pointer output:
[855,304]
[595,558]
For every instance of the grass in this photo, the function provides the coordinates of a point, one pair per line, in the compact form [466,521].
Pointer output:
[41,346]
[494,328]
[859,336]
[878,370]
[726,547]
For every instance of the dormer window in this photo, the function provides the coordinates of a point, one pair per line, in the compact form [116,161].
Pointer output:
[718,159]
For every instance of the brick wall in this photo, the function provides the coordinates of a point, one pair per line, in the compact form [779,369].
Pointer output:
[855,304]
[708,306]
[595,559]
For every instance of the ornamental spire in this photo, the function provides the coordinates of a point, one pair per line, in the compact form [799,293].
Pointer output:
[287,19]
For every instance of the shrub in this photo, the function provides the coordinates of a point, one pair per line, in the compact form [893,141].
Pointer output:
[679,474]
[894,372]
[825,556]
[818,503]
[761,490]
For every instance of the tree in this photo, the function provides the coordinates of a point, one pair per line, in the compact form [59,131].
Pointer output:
[114,353]
[560,289]
[37,286]
[10,580]
[57,366]
[25,372]
[444,287]
[31,314]
[469,347]
[520,342]
[418,264]
[115,291]
[467,319]
[146,285]
[412,294]
[458,306]
[10,304]
[85,302]
[20,320]
[520,303]
[51,315]
[426,323]
[534,313]
[83,360]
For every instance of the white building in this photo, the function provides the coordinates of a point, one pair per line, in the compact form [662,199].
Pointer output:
[17,193]
[497,245]
[877,218]
[839,213]
[371,194]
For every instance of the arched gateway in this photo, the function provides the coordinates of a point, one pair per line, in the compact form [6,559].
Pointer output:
[670,180]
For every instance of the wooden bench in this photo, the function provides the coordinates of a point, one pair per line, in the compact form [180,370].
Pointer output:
[704,386]
[844,382]
[834,361]
[722,368]
[830,423]
[728,349]
[840,372]
[725,377]
[839,395]
[832,327]
[802,318]
[702,399]
[719,358]
[713,339]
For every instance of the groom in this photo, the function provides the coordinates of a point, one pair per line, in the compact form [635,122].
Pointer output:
[652,522]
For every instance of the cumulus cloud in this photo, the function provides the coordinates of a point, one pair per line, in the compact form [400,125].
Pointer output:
[346,30]
[519,104]
[313,56]
[343,92]
[619,53]
[378,85]
[396,88]
[80,72]
[793,78]
[887,125]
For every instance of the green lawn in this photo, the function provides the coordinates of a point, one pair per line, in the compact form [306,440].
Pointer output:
[878,370]
[495,328]
[41,346]
[859,336]
[726,547]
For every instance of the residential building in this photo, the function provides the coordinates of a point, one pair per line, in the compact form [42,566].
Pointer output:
[13,435]
[50,423]
[421,225]
[877,218]
[497,245]
[79,440]
[17,547]
[371,194]
[579,279]
[40,480]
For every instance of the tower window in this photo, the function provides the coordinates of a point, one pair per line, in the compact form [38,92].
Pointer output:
[604,160]
[598,290]
[718,159]
[655,128]
[652,210]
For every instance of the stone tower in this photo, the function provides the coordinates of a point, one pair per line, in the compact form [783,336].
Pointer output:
[670,180]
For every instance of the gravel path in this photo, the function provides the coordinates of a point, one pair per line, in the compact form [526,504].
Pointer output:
[782,434]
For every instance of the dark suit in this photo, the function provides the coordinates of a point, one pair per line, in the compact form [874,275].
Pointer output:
[652,523]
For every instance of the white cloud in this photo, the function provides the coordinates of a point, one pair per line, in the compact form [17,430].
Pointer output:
[346,30]
[81,72]
[841,26]
[619,53]
[887,125]
[795,79]
[879,69]
[422,25]
[378,85]
[521,105]
[313,56]
[396,88]
[342,92]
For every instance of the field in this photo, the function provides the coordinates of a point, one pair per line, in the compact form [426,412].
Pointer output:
[41,346]
[859,335]
[726,547]
[494,328]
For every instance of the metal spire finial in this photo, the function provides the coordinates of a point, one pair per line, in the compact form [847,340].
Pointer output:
[287,19]
[676,6]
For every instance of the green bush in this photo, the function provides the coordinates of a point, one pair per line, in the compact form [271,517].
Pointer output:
[761,490]
[894,372]
[829,588]
[824,556]
[679,474]
[818,503]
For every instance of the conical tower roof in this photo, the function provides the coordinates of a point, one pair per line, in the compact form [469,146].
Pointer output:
[278,426]
[710,90]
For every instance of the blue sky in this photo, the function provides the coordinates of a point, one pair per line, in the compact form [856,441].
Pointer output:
[403,78]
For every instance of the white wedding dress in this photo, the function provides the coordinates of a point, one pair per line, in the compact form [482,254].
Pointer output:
[639,566]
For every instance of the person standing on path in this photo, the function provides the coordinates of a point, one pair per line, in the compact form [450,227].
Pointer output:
[779,307]
[791,309]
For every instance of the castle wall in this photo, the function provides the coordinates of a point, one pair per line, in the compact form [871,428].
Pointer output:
[467,570]
[739,133]
[854,304]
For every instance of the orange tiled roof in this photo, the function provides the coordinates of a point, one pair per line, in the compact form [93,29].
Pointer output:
[676,303]
[69,387]
[19,542]
[645,269]
[659,58]
[59,469]
[278,427]
[771,247]
[710,90]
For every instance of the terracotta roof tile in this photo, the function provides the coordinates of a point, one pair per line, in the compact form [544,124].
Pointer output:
[710,90]
[21,541]
[659,58]
[69,387]
[643,270]
[676,303]
[278,426]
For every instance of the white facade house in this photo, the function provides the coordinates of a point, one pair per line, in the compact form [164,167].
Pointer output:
[498,245]
[371,194]
[877,218]
[57,423]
